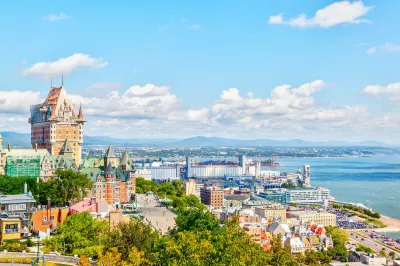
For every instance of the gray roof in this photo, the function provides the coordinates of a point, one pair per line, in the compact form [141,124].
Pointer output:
[236,197]
[110,152]
[125,158]
[14,199]
[66,148]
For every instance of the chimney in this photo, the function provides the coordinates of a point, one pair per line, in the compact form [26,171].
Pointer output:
[35,146]
[25,188]
[9,147]
[93,200]
[48,203]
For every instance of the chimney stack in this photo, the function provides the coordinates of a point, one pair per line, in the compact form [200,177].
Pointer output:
[35,146]
[25,188]
[9,147]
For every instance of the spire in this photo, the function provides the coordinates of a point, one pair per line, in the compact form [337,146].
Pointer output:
[80,114]
[51,84]
[125,158]
[62,81]
[110,152]
[66,148]
[109,169]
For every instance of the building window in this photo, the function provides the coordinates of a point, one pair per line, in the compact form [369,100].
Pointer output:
[44,218]
[51,218]
[11,228]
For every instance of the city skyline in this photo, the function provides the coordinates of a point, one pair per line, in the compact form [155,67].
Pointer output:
[163,70]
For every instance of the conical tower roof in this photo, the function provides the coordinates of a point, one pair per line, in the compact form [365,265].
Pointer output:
[109,169]
[80,114]
[125,158]
[110,152]
[66,148]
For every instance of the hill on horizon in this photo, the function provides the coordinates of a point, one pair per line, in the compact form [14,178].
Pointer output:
[24,140]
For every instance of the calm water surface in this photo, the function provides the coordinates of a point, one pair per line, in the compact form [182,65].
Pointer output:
[355,179]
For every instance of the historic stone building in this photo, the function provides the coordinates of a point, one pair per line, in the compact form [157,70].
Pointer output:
[54,121]
[113,178]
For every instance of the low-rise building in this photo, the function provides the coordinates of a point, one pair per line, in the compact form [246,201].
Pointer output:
[212,197]
[295,244]
[235,201]
[314,217]
[192,187]
[272,212]
[20,207]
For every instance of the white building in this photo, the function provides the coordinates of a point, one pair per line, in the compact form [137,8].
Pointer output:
[316,195]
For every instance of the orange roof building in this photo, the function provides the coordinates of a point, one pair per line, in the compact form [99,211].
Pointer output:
[54,121]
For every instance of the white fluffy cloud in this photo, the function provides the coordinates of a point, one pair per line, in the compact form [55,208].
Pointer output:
[56,17]
[64,66]
[136,102]
[334,14]
[18,102]
[391,90]
[152,111]
[385,48]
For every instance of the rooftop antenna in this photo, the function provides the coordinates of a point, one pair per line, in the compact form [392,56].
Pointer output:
[51,83]
[62,80]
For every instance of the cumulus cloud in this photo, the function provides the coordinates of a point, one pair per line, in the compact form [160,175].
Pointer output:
[385,48]
[343,12]
[64,66]
[11,101]
[137,102]
[391,90]
[56,17]
[152,111]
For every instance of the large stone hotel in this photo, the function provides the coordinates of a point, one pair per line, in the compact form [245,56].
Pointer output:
[55,122]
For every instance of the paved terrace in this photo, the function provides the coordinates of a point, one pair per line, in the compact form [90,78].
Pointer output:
[159,217]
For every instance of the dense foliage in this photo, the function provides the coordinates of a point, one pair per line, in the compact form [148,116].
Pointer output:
[197,239]
[358,209]
[67,185]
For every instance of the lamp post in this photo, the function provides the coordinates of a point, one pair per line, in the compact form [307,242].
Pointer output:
[38,243]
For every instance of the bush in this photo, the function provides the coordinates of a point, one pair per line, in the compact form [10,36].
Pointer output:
[29,242]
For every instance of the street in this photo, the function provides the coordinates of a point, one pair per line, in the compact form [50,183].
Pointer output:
[370,243]
[159,217]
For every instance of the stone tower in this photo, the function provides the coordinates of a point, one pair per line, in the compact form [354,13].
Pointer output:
[54,121]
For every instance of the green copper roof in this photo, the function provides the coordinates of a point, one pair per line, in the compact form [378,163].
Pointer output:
[93,174]
[109,169]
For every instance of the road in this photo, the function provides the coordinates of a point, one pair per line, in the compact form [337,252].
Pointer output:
[159,217]
[369,243]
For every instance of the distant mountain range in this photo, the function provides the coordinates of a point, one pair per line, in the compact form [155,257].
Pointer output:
[24,139]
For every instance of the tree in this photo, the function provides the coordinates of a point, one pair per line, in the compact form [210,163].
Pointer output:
[83,261]
[143,186]
[67,185]
[194,219]
[130,234]
[392,254]
[79,233]
[110,258]
[382,253]
[338,235]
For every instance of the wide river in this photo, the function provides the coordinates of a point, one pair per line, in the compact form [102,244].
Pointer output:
[355,179]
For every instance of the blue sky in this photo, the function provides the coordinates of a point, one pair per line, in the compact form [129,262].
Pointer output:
[160,68]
